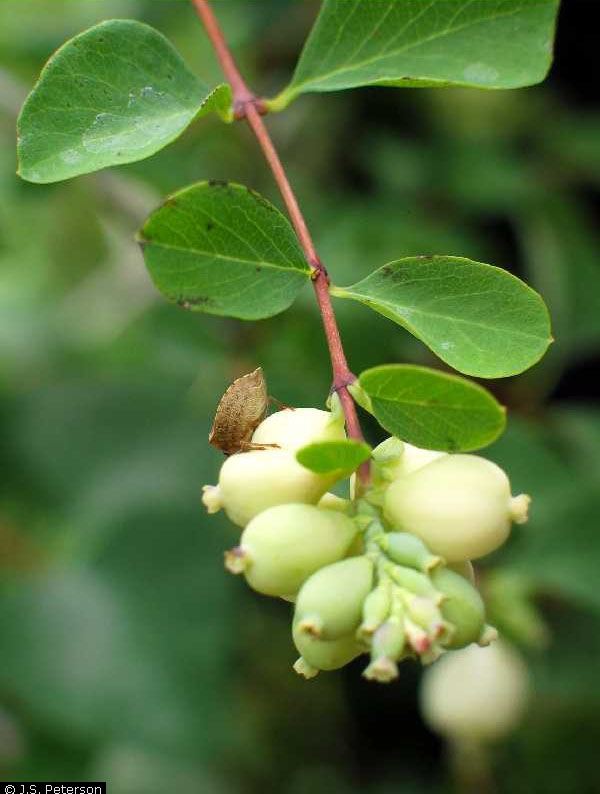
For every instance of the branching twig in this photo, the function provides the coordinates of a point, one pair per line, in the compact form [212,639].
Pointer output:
[247,106]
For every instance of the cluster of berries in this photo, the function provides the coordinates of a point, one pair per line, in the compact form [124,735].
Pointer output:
[388,573]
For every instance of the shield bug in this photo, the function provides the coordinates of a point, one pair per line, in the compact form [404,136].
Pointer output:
[241,409]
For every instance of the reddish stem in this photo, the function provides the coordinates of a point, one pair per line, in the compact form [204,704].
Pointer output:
[247,105]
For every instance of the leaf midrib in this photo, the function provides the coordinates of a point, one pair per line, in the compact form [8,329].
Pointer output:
[430,406]
[213,255]
[396,309]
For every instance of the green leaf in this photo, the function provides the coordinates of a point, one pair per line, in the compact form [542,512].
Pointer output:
[221,248]
[480,43]
[114,94]
[431,409]
[480,319]
[334,457]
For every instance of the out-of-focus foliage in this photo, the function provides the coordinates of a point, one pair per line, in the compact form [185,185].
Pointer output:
[127,653]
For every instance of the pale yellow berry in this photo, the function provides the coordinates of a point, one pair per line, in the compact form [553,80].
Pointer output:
[459,505]
[294,428]
[475,693]
[250,482]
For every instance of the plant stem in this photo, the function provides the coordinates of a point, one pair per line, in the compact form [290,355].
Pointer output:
[247,106]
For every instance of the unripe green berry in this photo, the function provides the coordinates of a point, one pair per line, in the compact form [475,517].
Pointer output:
[317,654]
[284,545]
[329,604]
[251,482]
[293,428]
[476,693]
[459,505]
[462,607]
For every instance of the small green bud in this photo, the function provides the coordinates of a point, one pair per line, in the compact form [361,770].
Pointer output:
[318,654]
[463,607]
[329,604]
[387,647]
[418,639]
[375,609]
[426,614]
[407,549]
[293,428]
[459,505]
[414,581]
[284,545]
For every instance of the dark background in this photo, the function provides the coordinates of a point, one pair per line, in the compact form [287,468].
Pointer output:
[127,654]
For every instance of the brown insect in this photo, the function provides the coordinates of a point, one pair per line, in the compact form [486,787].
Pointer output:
[241,409]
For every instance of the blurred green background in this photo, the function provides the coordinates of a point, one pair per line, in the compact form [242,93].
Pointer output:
[126,652]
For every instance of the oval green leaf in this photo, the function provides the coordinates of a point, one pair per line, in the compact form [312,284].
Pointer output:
[480,43]
[114,94]
[221,248]
[479,319]
[431,409]
[334,457]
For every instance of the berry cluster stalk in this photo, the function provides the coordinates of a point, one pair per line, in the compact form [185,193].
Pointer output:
[249,107]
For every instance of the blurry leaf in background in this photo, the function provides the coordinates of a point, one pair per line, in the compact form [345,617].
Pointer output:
[479,319]
[122,601]
[486,43]
[431,409]
[94,106]
[562,246]
[221,248]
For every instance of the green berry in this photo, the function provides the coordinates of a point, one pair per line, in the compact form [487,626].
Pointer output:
[318,654]
[284,545]
[462,607]
[329,604]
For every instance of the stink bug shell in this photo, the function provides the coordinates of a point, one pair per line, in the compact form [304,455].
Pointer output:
[241,409]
